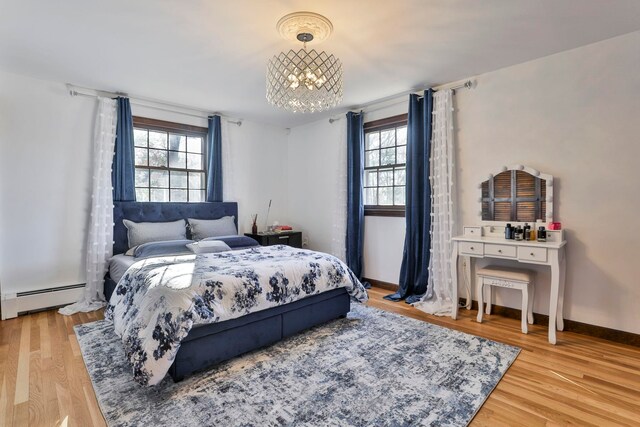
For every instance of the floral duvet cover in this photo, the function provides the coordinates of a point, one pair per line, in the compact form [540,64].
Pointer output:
[159,300]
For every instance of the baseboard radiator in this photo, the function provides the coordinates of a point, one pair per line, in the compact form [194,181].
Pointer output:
[14,304]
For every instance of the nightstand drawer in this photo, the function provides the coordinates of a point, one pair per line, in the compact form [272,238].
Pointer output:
[528,253]
[471,248]
[290,238]
[506,251]
[279,240]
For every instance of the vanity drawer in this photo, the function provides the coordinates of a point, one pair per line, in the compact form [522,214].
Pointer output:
[500,250]
[471,248]
[528,253]
[473,231]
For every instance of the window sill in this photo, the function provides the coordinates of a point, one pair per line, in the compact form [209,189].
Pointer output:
[392,211]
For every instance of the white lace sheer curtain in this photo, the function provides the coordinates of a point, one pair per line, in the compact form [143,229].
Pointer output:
[339,231]
[437,300]
[228,187]
[100,234]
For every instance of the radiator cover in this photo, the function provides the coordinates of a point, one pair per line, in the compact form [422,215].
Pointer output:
[13,304]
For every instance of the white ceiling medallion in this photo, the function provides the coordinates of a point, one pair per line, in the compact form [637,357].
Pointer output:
[304,81]
[295,23]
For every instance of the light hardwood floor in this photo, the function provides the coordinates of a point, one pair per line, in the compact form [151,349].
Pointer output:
[581,381]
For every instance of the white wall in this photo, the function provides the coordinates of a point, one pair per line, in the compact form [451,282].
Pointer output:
[312,158]
[313,153]
[576,116]
[383,246]
[259,166]
[44,183]
[45,158]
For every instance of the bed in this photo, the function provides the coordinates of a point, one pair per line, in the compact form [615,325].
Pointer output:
[206,345]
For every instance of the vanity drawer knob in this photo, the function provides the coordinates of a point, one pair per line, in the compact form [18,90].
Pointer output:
[471,248]
[499,251]
[532,254]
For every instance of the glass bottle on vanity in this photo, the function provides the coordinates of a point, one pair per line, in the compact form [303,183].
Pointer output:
[542,234]
[508,232]
[519,233]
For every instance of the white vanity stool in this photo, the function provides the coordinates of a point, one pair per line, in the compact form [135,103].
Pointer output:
[505,277]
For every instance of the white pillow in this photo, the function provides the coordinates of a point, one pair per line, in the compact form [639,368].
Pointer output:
[203,228]
[144,232]
[208,247]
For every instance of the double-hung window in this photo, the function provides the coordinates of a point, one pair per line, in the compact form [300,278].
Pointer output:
[169,161]
[385,166]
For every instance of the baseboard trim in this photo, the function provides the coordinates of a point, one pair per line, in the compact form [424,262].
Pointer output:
[609,334]
[380,284]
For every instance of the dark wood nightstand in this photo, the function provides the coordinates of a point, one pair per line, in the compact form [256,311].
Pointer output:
[291,238]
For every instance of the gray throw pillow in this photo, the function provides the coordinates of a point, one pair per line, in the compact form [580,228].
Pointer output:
[203,228]
[143,232]
[164,248]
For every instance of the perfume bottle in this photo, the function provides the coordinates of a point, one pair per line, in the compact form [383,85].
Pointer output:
[519,233]
[508,232]
[527,231]
[542,234]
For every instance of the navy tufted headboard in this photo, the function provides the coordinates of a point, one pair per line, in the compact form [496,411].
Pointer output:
[162,212]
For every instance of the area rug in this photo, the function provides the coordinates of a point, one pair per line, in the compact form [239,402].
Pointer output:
[372,368]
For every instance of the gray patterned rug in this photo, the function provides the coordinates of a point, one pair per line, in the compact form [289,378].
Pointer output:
[372,368]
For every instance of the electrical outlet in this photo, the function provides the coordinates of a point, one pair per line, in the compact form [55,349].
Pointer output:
[305,242]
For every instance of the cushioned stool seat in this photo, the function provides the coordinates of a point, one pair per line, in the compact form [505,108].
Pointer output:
[505,277]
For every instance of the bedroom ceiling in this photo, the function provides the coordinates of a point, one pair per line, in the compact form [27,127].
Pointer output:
[212,54]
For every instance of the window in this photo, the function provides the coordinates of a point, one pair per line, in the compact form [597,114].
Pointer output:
[385,143]
[169,161]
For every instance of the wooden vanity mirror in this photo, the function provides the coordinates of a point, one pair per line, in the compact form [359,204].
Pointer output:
[517,194]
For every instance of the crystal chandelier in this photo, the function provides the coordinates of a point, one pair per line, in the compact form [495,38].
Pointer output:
[304,81]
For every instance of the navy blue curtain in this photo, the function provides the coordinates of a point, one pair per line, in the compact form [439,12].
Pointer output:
[214,160]
[123,168]
[355,204]
[414,271]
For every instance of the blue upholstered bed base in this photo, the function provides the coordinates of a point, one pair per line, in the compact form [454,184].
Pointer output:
[208,345]
[109,287]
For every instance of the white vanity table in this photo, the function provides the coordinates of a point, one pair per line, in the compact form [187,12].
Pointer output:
[488,241]
[527,252]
